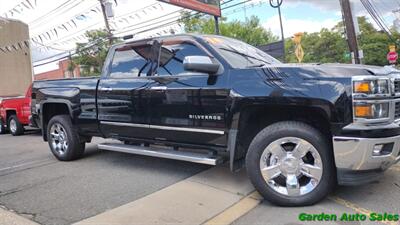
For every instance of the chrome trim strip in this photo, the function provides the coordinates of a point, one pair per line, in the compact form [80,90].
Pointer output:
[197,130]
[125,124]
[187,129]
[158,88]
[163,153]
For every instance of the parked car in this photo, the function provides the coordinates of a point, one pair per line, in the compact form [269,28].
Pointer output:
[298,129]
[15,113]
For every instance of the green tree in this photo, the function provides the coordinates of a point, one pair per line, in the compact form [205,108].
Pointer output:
[325,46]
[91,55]
[250,31]
[330,46]
[375,43]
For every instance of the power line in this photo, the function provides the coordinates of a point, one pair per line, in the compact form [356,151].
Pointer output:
[379,16]
[175,20]
[77,14]
[93,25]
[77,52]
[11,8]
[141,23]
[376,17]
[51,12]
[52,15]
[48,46]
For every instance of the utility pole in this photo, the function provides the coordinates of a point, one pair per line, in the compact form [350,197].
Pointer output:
[350,31]
[277,5]
[216,25]
[282,35]
[103,9]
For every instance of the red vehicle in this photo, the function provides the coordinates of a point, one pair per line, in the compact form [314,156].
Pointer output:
[15,113]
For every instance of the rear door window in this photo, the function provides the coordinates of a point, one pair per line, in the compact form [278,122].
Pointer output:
[130,61]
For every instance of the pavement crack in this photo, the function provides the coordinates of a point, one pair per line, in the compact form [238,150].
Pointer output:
[27,168]
[27,187]
[13,191]
[397,185]
[30,216]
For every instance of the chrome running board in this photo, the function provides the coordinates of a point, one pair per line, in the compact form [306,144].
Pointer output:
[163,153]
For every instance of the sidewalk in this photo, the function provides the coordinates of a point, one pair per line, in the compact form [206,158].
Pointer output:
[195,200]
[10,218]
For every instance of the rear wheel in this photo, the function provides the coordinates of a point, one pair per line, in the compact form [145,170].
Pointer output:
[290,164]
[63,139]
[15,127]
[2,127]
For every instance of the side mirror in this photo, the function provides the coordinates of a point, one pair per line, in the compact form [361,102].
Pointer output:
[202,64]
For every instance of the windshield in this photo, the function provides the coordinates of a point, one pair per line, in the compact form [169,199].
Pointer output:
[239,54]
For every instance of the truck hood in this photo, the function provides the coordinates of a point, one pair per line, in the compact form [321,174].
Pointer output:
[334,70]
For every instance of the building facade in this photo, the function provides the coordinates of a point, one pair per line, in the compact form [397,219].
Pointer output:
[64,70]
[15,58]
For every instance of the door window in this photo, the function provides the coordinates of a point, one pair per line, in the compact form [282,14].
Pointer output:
[131,61]
[172,56]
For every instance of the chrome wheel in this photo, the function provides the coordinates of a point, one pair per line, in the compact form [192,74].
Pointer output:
[291,166]
[58,138]
[13,126]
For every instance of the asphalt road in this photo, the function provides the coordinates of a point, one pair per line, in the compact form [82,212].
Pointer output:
[34,184]
[379,197]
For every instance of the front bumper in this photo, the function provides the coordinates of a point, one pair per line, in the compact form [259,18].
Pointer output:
[355,158]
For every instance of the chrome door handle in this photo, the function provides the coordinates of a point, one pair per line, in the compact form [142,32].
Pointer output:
[107,89]
[158,88]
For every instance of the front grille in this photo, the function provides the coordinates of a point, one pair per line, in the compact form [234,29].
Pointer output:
[397,86]
[397,111]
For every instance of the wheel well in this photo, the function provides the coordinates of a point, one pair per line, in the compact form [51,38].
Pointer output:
[49,111]
[254,119]
[9,113]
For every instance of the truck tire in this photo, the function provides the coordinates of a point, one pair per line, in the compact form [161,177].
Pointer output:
[2,127]
[15,126]
[63,139]
[291,164]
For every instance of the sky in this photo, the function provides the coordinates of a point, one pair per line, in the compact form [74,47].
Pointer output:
[308,15]
[136,16]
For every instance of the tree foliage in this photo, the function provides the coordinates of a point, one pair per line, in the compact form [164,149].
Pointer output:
[250,31]
[323,47]
[91,55]
[326,46]
[330,46]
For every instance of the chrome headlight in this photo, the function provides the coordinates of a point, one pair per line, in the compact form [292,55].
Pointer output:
[371,86]
[365,110]
[372,99]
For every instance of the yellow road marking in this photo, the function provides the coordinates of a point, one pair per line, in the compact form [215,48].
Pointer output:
[395,168]
[236,211]
[358,209]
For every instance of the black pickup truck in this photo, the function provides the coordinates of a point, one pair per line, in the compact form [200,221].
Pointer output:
[298,129]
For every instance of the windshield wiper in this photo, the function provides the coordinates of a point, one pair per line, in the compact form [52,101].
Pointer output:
[243,54]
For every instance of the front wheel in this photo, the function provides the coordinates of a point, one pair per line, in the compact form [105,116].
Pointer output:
[15,127]
[290,164]
[63,139]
